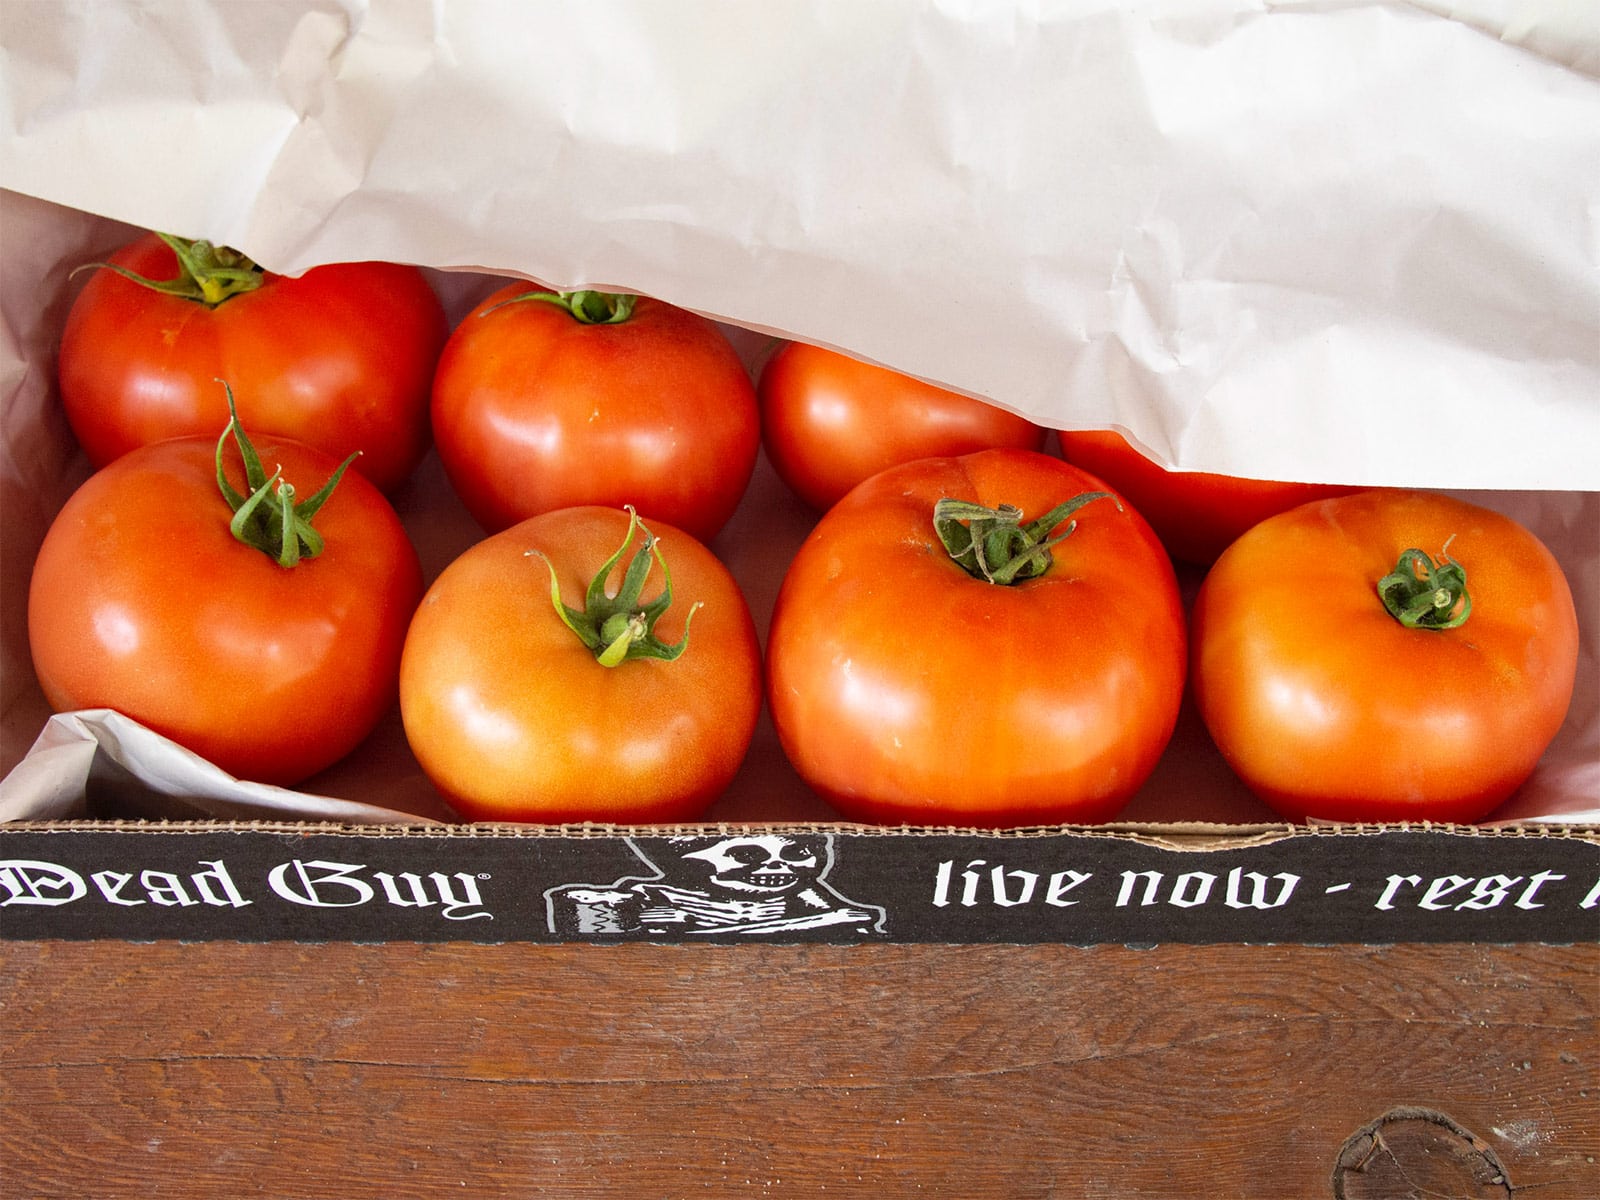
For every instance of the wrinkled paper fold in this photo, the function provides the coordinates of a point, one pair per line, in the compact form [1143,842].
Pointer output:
[99,763]
[1349,242]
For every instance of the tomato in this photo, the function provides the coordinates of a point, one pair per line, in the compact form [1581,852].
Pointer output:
[340,358]
[142,600]
[1196,513]
[1328,706]
[905,689]
[545,401]
[829,421]
[529,692]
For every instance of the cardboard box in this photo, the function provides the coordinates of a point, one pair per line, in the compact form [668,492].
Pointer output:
[151,844]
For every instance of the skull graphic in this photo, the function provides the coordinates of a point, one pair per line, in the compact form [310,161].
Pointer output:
[759,865]
[750,884]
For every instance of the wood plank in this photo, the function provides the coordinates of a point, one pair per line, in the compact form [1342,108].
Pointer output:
[638,1071]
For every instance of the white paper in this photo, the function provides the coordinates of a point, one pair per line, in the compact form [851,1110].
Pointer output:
[1331,241]
[140,771]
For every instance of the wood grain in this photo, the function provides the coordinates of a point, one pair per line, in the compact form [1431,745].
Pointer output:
[636,1071]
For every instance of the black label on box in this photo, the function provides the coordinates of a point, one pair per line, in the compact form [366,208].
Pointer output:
[257,885]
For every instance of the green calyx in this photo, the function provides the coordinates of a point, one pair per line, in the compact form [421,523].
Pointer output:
[207,274]
[1422,594]
[269,519]
[590,308]
[994,545]
[617,628]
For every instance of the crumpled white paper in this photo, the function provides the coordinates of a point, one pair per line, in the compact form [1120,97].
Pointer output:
[1330,241]
[97,756]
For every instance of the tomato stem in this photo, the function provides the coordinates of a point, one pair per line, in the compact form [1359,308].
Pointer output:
[617,628]
[994,545]
[1422,594]
[589,307]
[269,519]
[207,274]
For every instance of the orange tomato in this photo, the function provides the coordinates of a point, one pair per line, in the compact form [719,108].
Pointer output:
[1328,706]
[513,715]
[143,601]
[587,398]
[340,358]
[1196,513]
[828,421]
[905,688]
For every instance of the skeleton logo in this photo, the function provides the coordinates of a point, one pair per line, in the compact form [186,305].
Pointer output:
[743,884]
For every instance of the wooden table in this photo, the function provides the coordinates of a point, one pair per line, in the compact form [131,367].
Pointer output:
[220,1070]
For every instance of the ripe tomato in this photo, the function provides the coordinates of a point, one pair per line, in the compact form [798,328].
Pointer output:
[1328,706]
[1195,513]
[516,716]
[340,358]
[143,601]
[905,689]
[828,421]
[545,401]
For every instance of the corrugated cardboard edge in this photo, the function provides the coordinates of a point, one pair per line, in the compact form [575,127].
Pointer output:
[1194,837]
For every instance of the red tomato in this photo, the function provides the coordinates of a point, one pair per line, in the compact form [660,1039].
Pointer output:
[905,689]
[828,421]
[515,717]
[143,601]
[541,404]
[1196,513]
[1327,706]
[340,358]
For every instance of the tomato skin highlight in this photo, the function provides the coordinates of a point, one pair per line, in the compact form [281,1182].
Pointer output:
[340,358]
[1328,708]
[535,411]
[513,719]
[904,690]
[271,673]
[829,421]
[1196,513]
